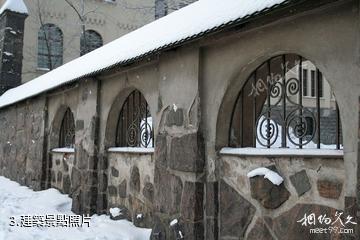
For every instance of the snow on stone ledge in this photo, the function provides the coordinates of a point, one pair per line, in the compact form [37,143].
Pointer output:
[272,176]
[178,26]
[173,222]
[283,152]
[14,6]
[63,150]
[115,212]
[130,150]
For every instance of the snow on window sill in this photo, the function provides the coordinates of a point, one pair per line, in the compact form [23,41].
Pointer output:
[40,69]
[130,150]
[63,150]
[283,152]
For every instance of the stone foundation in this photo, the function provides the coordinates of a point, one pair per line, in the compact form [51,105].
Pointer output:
[255,208]
[61,171]
[130,185]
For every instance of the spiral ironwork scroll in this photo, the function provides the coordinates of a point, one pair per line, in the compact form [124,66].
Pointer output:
[134,127]
[276,116]
[67,130]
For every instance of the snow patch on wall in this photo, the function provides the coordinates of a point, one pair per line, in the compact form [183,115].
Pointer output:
[272,176]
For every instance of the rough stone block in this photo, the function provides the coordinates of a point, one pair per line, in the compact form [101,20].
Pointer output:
[148,191]
[259,231]
[65,165]
[112,191]
[212,229]
[187,153]
[193,231]
[77,204]
[329,188]
[122,189]
[236,212]
[168,191]
[159,230]
[192,201]
[212,201]
[79,125]
[135,179]
[82,158]
[103,182]
[114,172]
[175,118]
[161,151]
[269,195]
[59,177]
[66,183]
[124,214]
[300,181]
[101,204]
[53,177]
[289,224]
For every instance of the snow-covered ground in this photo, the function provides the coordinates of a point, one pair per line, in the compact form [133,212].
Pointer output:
[17,201]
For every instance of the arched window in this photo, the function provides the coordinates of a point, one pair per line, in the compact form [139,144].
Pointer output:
[134,127]
[67,130]
[50,47]
[286,102]
[90,42]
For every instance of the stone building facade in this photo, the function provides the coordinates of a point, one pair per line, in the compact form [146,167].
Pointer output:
[191,174]
[109,19]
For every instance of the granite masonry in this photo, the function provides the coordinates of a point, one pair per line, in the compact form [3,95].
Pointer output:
[189,175]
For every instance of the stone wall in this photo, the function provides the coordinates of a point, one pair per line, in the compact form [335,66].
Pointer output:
[190,91]
[131,185]
[261,209]
[22,142]
[61,171]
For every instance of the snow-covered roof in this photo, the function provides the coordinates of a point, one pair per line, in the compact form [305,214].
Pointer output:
[195,20]
[15,6]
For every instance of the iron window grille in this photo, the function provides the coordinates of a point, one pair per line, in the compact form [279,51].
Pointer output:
[50,47]
[270,110]
[67,130]
[134,127]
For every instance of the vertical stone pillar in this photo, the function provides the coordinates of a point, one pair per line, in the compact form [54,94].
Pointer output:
[179,189]
[179,151]
[11,46]
[84,173]
[358,178]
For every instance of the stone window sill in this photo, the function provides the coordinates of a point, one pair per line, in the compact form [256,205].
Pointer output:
[39,69]
[138,150]
[63,150]
[283,152]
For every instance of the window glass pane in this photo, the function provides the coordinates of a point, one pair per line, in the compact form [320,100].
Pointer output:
[50,46]
[92,41]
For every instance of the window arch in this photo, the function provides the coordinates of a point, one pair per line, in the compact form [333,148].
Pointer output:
[134,126]
[50,46]
[67,130]
[286,102]
[92,41]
